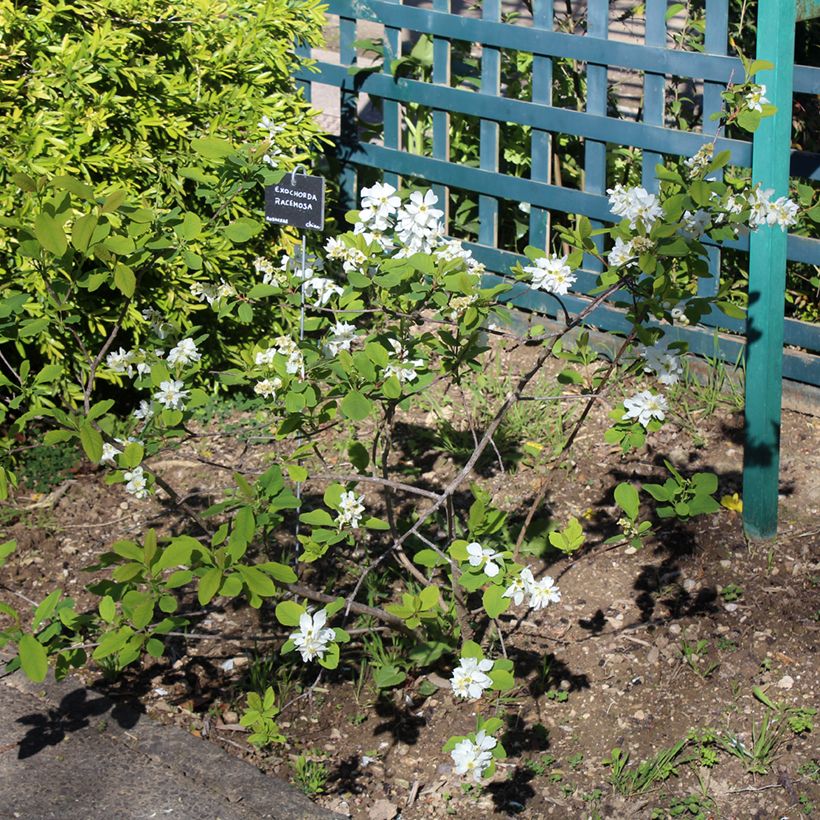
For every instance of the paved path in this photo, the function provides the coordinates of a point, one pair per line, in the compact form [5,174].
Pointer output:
[68,753]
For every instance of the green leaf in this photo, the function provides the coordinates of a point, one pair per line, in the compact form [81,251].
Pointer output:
[256,581]
[124,280]
[177,553]
[657,491]
[155,647]
[355,406]
[358,455]
[82,231]
[428,558]
[626,497]
[46,608]
[317,518]
[288,613]
[494,602]
[471,649]
[50,234]
[331,657]
[280,572]
[92,442]
[388,675]
[189,228]
[212,147]
[208,585]
[242,229]
[33,658]
[502,680]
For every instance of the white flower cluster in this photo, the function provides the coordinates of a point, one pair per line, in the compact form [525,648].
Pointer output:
[664,363]
[763,211]
[214,295]
[342,337]
[270,275]
[635,204]
[268,387]
[470,677]
[472,758]
[350,257]
[313,636]
[184,352]
[542,592]
[491,561]
[402,366]
[282,346]
[128,362]
[351,510]
[552,274]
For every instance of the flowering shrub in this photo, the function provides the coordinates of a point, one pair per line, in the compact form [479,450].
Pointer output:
[394,307]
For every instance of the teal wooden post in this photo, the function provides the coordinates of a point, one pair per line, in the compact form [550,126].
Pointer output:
[767,277]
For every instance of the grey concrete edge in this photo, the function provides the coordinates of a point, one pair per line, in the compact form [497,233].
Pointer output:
[203,763]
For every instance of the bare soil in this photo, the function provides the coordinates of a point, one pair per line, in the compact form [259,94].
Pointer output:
[602,669]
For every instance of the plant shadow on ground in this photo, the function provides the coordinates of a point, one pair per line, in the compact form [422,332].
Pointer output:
[51,727]
[399,721]
[512,795]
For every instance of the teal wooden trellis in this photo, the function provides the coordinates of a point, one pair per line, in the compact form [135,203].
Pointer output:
[770,158]
[767,273]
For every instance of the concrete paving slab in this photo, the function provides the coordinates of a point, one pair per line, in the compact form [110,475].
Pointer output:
[69,753]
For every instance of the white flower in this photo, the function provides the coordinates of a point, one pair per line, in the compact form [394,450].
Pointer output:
[120,361]
[635,204]
[419,211]
[473,757]
[759,205]
[755,99]
[313,636]
[679,315]
[322,289]
[351,510]
[470,679]
[136,483]
[144,412]
[622,253]
[184,353]
[645,406]
[552,274]
[520,586]
[478,555]
[782,212]
[171,394]
[109,454]
[696,223]
[451,249]
[268,387]
[343,336]
[543,592]
[270,126]
[403,368]
[665,364]
[379,203]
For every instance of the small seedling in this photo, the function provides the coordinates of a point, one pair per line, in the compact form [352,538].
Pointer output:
[310,775]
[695,656]
[576,760]
[731,592]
